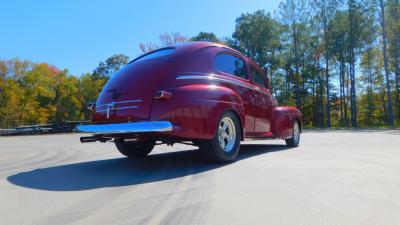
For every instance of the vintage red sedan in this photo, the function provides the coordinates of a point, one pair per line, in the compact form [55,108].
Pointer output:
[198,93]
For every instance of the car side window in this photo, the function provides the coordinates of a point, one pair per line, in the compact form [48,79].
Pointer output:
[230,64]
[257,77]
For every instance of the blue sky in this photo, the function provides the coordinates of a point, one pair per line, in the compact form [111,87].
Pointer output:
[77,34]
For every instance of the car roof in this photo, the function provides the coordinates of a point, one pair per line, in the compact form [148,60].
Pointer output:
[196,45]
[190,47]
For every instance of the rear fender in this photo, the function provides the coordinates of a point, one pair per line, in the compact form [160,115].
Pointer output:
[195,109]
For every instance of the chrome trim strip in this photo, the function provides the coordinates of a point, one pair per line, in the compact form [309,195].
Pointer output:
[122,128]
[136,100]
[127,107]
[121,102]
[214,77]
[211,77]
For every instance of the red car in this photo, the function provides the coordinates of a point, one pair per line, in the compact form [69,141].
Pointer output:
[198,93]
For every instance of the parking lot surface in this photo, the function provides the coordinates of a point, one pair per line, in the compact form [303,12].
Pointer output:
[334,177]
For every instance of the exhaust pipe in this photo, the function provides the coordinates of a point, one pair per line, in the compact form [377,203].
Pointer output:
[94,139]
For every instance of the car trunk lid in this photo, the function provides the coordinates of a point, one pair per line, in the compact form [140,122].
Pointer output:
[128,95]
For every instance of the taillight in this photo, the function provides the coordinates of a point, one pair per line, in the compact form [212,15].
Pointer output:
[162,94]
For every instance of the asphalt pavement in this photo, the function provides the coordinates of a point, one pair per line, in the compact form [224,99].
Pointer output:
[334,177]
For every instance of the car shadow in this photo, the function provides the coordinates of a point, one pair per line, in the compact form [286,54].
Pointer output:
[123,171]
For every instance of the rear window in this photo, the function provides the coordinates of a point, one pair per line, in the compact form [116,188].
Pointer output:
[230,64]
[155,54]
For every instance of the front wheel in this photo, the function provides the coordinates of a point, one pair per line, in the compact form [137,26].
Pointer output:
[224,147]
[138,149]
[295,139]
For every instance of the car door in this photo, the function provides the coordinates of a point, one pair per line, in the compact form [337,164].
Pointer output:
[263,101]
[233,65]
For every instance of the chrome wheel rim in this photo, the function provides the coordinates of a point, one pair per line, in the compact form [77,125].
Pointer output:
[226,134]
[296,132]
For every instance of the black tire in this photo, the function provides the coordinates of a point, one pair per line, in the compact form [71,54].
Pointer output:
[213,150]
[138,149]
[295,139]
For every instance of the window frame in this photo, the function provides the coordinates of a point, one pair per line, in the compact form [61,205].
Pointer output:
[151,52]
[227,52]
[263,76]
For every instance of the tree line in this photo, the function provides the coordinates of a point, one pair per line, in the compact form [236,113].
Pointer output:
[39,93]
[335,60]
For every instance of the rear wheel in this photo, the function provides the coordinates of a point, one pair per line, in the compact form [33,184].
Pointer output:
[224,146]
[295,139]
[137,149]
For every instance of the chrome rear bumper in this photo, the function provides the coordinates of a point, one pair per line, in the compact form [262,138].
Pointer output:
[120,128]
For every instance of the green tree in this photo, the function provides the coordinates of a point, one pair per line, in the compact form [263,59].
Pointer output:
[325,10]
[258,36]
[66,102]
[14,68]
[361,20]
[205,36]
[89,90]
[372,113]
[393,30]
[382,6]
[339,26]
[106,69]
[10,103]
[3,69]
[294,16]
[39,86]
